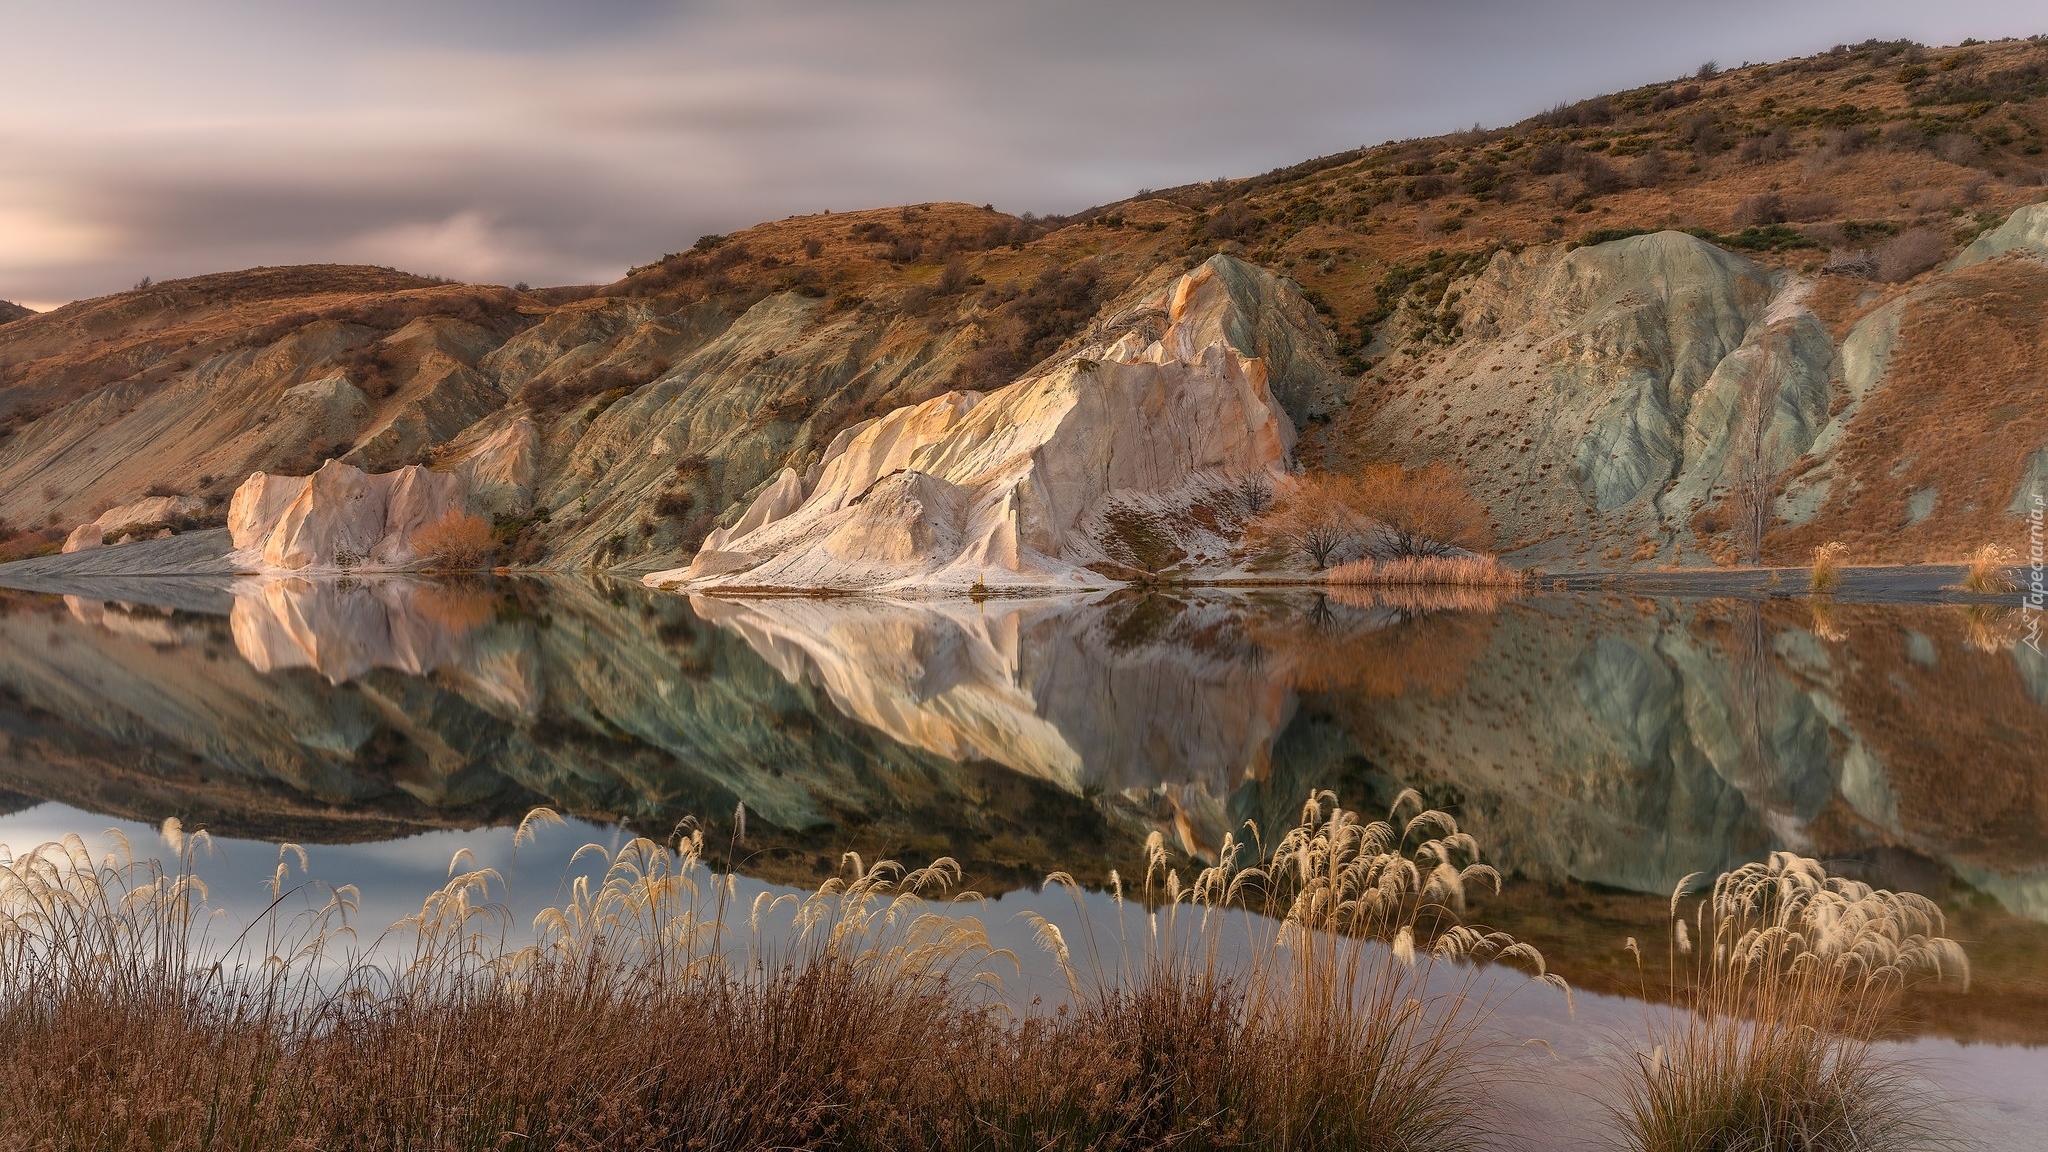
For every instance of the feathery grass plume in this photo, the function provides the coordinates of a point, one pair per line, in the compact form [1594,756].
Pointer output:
[1794,976]
[1987,572]
[1327,997]
[1825,624]
[1827,567]
[859,1015]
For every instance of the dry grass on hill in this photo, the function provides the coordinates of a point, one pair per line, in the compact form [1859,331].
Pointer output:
[1963,400]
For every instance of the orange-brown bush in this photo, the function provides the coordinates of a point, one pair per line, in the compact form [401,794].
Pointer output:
[1396,511]
[1313,516]
[456,542]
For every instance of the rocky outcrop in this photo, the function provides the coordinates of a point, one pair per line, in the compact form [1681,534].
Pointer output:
[1597,392]
[1013,487]
[150,516]
[340,518]
[2024,232]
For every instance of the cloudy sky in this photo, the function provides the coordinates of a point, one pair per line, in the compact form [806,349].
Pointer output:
[556,141]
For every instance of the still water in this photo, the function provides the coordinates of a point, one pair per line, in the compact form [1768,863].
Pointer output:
[1599,746]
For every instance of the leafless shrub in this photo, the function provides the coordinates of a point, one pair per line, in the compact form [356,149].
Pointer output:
[1254,493]
[1810,206]
[1903,136]
[1703,133]
[1850,262]
[1840,142]
[1649,169]
[457,542]
[1766,147]
[1762,208]
[1958,148]
[1908,254]
[1932,200]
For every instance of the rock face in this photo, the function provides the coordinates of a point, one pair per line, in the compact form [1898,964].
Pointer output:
[1012,487]
[2024,232]
[1611,404]
[1606,402]
[145,517]
[1612,381]
[339,518]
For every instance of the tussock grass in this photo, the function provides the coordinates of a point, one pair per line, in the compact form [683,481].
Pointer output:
[651,1011]
[1827,567]
[1786,976]
[1440,571]
[1987,573]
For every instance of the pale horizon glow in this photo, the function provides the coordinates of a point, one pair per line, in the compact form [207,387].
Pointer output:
[513,140]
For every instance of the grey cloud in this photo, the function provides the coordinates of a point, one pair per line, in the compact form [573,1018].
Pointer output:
[579,139]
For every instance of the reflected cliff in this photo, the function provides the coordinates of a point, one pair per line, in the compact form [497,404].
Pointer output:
[1613,742]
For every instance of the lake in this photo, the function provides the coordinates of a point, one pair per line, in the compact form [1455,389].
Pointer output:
[1600,745]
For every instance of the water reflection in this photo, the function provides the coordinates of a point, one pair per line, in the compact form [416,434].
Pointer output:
[1614,742]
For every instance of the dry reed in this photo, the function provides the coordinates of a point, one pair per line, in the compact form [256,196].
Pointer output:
[1786,977]
[649,1011]
[1987,573]
[1445,571]
[1827,567]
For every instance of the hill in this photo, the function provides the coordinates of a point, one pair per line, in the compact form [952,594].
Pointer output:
[1628,322]
[9,310]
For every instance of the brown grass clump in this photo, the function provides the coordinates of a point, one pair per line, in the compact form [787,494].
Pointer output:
[1827,567]
[651,1011]
[1987,573]
[1793,976]
[1453,571]
[457,542]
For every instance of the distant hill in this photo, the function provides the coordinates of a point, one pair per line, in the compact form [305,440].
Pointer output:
[9,310]
[1620,319]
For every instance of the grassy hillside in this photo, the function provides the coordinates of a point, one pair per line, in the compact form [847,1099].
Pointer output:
[1859,170]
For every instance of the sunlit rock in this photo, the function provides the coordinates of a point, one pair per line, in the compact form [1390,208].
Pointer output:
[340,518]
[143,518]
[1010,487]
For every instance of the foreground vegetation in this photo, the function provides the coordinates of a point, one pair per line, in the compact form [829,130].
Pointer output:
[1794,975]
[1329,995]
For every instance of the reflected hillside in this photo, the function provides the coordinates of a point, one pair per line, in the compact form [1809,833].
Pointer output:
[1621,743]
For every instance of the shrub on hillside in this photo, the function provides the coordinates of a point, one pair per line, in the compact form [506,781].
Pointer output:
[1390,510]
[1422,511]
[456,542]
[1762,208]
[1032,324]
[1908,254]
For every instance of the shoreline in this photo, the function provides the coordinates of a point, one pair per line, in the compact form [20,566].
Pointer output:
[188,559]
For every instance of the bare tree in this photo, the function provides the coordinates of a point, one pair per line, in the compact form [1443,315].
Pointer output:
[1753,485]
[1254,492]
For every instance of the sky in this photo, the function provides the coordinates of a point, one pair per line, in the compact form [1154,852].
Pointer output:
[552,142]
